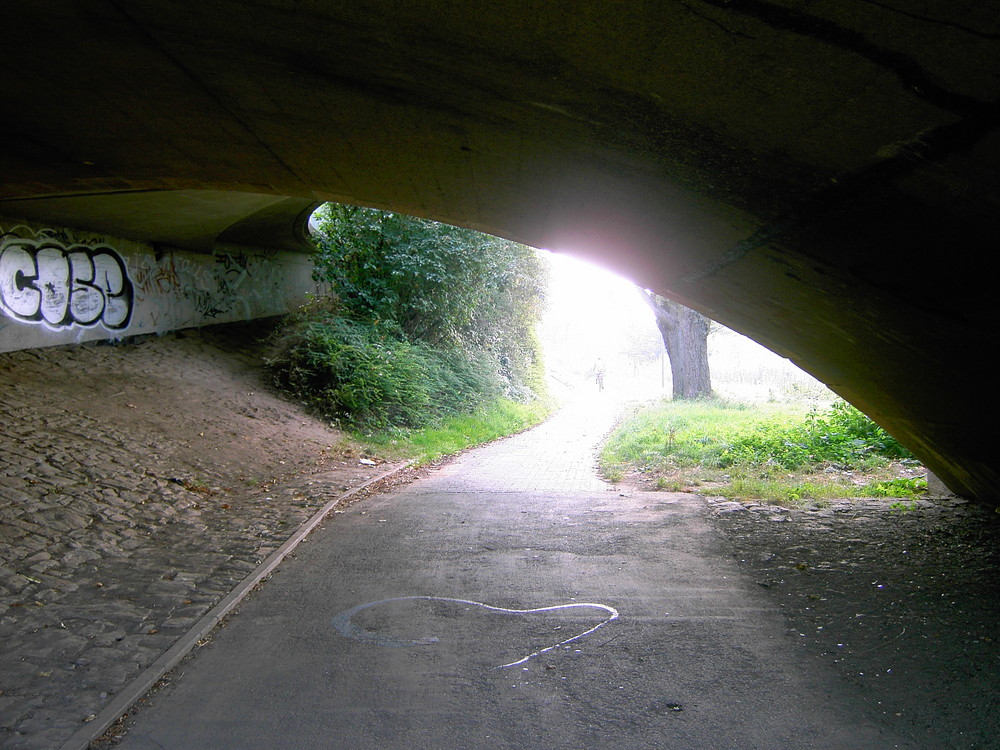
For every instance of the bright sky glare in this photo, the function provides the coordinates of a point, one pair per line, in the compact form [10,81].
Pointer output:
[592,313]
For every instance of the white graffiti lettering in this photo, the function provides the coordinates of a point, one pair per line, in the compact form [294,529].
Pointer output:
[48,283]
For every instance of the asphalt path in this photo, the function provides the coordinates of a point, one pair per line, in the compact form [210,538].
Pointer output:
[509,600]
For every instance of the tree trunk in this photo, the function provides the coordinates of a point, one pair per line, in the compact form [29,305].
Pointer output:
[685,338]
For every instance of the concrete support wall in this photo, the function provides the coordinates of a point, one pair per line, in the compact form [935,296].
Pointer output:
[62,286]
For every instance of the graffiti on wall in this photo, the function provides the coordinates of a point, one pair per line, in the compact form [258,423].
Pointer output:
[62,286]
[228,285]
[58,284]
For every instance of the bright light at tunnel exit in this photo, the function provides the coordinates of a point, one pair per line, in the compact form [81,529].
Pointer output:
[604,306]
[592,314]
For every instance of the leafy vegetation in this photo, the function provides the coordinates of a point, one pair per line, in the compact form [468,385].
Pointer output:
[351,371]
[425,323]
[783,453]
[449,287]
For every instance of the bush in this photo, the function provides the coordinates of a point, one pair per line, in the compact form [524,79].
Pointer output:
[846,431]
[370,379]
[843,435]
[443,285]
[428,320]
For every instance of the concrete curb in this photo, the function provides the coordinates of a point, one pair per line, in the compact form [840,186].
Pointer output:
[124,700]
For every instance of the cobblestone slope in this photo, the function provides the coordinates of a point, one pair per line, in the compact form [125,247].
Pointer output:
[138,484]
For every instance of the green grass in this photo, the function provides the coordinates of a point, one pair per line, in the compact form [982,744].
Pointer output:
[783,453]
[685,434]
[455,433]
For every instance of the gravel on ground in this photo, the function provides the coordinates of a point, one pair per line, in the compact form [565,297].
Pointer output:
[902,599]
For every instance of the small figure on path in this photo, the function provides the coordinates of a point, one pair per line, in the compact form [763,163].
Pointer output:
[599,374]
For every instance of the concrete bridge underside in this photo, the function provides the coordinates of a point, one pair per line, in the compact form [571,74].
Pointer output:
[820,175]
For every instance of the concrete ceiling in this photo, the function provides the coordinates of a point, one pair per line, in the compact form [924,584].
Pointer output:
[821,175]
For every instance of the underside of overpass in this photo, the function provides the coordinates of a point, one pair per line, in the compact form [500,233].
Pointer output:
[819,175]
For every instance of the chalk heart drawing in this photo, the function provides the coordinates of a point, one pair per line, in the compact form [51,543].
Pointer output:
[343,623]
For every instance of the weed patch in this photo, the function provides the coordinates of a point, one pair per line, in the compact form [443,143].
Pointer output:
[782,453]
[369,380]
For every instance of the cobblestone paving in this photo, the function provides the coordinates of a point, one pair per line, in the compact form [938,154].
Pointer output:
[115,538]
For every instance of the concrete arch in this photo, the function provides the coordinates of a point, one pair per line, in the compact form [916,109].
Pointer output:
[820,176]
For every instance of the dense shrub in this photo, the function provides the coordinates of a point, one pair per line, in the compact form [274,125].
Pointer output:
[843,435]
[371,379]
[845,430]
[424,321]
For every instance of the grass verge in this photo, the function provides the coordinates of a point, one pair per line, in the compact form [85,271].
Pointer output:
[453,434]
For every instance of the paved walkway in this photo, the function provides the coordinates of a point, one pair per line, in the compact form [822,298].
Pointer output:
[559,455]
[511,600]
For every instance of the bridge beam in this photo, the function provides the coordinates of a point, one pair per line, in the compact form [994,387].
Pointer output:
[821,177]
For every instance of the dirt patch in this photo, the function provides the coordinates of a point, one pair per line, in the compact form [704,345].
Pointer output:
[901,599]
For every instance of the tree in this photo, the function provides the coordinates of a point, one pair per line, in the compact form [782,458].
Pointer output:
[685,337]
[446,286]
